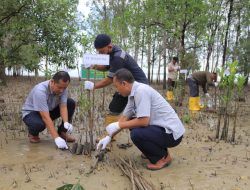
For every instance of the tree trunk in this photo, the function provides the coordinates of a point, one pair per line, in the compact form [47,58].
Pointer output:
[214,24]
[36,72]
[46,69]
[209,52]
[227,30]
[142,48]
[235,52]
[149,54]
[164,45]
[153,61]
[159,70]
[137,44]
[217,51]
[2,74]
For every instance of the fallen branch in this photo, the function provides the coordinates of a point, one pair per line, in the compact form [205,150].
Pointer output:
[138,182]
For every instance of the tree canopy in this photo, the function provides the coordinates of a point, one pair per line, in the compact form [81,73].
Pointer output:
[203,34]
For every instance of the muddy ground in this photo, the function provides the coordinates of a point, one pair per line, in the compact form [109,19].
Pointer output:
[199,162]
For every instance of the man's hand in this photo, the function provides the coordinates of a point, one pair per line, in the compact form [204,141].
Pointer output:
[112,128]
[60,143]
[178,68]
[86,66]
[68,126]
[88,85]
[103,142]
[207,95]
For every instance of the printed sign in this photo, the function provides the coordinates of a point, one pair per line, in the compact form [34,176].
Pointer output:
[183,71]
[95,59]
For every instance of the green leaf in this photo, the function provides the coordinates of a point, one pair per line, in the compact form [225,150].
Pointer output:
[77,187]
[71,187]
[65,187]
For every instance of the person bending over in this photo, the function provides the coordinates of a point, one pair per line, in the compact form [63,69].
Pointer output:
[46,102]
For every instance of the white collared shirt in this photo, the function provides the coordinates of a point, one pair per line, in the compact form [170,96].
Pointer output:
[173,74]
[144,101]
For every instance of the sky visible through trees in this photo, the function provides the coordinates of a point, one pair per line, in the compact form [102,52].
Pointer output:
[205,35]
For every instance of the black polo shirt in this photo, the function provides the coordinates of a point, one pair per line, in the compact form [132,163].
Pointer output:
[120,59]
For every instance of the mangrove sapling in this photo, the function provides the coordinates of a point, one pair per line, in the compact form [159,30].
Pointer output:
[179,91]
[240,86]
[91,124]
[90,116]
[84,105]
[79,148]
[103,95]
[228,90]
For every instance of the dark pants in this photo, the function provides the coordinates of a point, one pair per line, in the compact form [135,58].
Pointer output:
[193,87]
[153,141]
[118,103]
[171,84]
[36,125]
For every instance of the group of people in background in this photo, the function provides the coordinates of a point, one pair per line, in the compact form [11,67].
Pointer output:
[154,125]
[194,80]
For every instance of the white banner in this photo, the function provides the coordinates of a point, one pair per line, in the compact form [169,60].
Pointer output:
[183,71]
[95,59]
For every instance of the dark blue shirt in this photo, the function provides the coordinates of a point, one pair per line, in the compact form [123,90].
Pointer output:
[120,59]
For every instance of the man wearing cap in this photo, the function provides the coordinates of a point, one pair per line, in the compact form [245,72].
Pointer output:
[46,102]
[118,59]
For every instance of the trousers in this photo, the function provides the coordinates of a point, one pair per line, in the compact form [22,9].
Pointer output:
[171,84]
[118,103]
[153,141]
[36,125]
[193,87]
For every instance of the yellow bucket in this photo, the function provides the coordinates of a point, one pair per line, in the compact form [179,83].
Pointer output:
[170,95]
[194,103]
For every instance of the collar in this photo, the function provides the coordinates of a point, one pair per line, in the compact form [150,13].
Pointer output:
[115,49]
[49,88]
[134,87]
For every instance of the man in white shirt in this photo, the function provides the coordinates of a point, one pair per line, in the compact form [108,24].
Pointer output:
[154,125]
[173,68]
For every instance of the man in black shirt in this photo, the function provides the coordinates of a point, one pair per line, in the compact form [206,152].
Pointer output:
[118,59]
